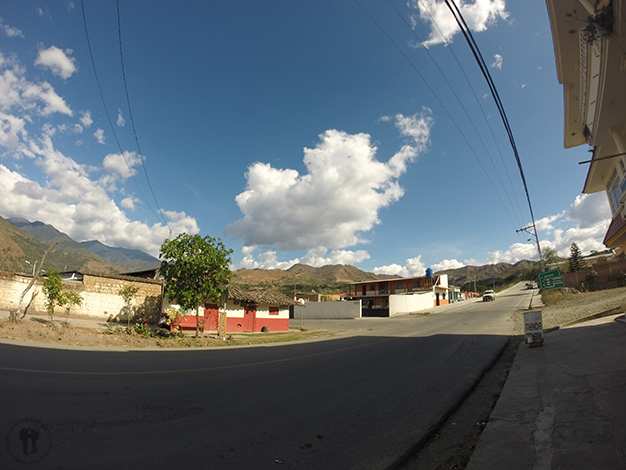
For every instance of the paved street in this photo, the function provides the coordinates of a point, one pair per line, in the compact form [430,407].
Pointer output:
[357,402]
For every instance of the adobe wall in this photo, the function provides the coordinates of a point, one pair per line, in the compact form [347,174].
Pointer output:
[100,297]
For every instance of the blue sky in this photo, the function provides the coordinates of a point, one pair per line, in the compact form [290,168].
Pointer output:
[326,132]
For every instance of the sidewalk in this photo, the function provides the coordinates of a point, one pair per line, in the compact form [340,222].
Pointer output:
[563,405]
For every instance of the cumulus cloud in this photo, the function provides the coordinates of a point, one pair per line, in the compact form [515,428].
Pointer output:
[122,164]
[10,31]
[435,13]
[20,95]
[58,61]
[129,203]
[336,201]
[315,257]
[99,135]
[497,62]
[447,264]
[412,267]
[11,129]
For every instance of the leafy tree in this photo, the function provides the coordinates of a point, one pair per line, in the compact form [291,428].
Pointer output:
[53,290]
[551,257]
[15,314]
[128,294]
[575,258]
[195,270]
[55,296]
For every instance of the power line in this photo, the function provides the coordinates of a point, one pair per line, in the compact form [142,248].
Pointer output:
[415,69]
[478,102]
[481,63]
[130,113]
[462,105]
[106,111]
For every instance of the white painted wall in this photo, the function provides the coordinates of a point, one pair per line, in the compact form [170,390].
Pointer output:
[403,304]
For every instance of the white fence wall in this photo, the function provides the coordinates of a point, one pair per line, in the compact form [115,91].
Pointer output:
[403,304]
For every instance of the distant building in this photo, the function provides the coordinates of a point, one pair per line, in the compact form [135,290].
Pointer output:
[389,297]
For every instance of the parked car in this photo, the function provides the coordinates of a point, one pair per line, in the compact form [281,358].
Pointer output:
[489,295]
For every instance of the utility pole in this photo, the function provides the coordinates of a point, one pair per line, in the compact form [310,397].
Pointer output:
[532,230]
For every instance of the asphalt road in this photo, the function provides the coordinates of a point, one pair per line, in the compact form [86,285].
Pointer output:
[357,402]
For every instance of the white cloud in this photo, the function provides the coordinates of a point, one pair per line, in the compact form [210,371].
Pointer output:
[336,201]
[20,95]
[129,203]
[590,209]
[121,165]
[447,264]
[120,119]
[10,31]
[58,61]
[478,16]
[412,267]
[99,135]
[315,257]
[85,118]
[11,129]
[497,62]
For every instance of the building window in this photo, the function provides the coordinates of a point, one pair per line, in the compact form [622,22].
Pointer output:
[372,288]
[274,310]
[615,191]
[364,290]
[398,285]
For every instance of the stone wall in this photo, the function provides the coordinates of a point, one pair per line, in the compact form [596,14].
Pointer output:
[99,293]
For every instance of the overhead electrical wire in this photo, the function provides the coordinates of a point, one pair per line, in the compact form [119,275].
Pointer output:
[454,122]
[132,120]
[485,71]
[478,101]
[108,116]
[458,99]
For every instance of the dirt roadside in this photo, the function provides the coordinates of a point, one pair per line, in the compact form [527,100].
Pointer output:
[451,446]
[39,330]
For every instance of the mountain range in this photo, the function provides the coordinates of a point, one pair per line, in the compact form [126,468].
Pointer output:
[22,243]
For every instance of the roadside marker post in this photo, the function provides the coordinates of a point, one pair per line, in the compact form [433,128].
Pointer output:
[533,329]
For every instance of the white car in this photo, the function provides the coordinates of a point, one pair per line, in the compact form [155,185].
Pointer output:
[489,295]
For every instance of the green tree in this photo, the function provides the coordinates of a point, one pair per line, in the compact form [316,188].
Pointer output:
[575,258]
[128,294]
[195,270]
[551,257]
[53,290]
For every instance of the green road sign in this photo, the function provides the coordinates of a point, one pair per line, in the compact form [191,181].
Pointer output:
[551,280]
